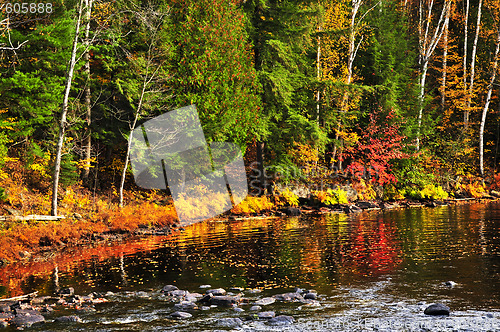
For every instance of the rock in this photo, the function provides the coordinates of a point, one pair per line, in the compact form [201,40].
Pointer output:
[366,205]
[193,297]
[224,301]
[436,309]
[450,284]
[3,324]
[86,309]
[237,309]
[490,315]
[185,305]
[352,209]
[205,286]
[254,291]
[265,301]
[180,315]
[289,297]
[310,296]
[281,320]
[6,315]
[4,308]
[255,308]
[68,319]
[24,321]
[266,314]
[230,322]
[291,211]
[298,290]
[236,289]
[204,308]
[216,292]
[178,293]
[169,288]
[26,312]
[206,298]
[68,291]
[351,193]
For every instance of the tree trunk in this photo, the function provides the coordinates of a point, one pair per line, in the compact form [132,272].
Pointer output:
[421,100]
[466,114]
[86,57]
[64,111]
[472,67]
[129,141]
[427,45]
[445,61]
[486,106]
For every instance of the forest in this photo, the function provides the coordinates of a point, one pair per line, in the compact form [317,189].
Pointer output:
[397,98]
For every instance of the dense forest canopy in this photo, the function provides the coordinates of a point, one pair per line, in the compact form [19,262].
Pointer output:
[403,88]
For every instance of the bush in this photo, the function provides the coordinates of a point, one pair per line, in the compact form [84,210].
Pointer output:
[287,198]
[330,197]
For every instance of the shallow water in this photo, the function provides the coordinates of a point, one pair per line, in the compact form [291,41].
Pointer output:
[375,270]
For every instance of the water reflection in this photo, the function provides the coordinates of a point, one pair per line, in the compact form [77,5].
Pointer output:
[417,249]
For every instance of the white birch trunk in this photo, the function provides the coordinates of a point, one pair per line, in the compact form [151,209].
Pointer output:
[473,67]
[427,45]
[88,115]
[64,111]
[486,106]
[445,61]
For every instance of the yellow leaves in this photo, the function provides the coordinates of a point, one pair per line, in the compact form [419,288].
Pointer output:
[287,197]
[253,205]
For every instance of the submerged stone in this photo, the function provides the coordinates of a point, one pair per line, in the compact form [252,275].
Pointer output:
[281,320]
[27,320]
[230,322]
[180,315]
[68,319]
[265,301]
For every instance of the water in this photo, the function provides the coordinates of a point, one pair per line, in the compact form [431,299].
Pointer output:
[375,270]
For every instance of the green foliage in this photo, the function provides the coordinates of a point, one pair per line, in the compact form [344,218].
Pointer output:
[212,68]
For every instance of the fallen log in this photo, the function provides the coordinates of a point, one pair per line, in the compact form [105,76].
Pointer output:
[21,297]
[35,217]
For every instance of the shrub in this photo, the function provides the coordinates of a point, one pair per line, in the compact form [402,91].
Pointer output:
[287,198]
[330,197]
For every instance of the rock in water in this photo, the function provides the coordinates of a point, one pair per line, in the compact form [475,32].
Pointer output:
[26,321]
[216,292]
[281,320]
[266,314]
[68,319]
[181,315]
[292,211]
[230,322]
[265,301]
[450,284]
[437,309]
[169,288]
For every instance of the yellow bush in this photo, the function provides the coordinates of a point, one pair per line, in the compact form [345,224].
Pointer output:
[253,204]
[287,197]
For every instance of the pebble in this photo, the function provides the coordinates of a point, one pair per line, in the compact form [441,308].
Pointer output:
[266,314]
[265,301]
[181,315]
[205,286]
[230,322]
[255,308]
[281,320]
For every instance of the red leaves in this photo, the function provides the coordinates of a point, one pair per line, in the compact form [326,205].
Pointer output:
[379,144]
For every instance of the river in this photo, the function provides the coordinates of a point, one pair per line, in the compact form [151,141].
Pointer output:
[375,270]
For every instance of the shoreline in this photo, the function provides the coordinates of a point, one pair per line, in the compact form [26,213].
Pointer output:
[44,251]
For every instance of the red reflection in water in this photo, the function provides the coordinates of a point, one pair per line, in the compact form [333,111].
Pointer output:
[372,249]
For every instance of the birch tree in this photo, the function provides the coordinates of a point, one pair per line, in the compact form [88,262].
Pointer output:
[429,36]
[487,103]
[63,124]
[445,59]
[88,107]
[149,67]
[472,67]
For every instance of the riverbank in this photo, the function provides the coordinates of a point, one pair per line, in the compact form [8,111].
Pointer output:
[32,240]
